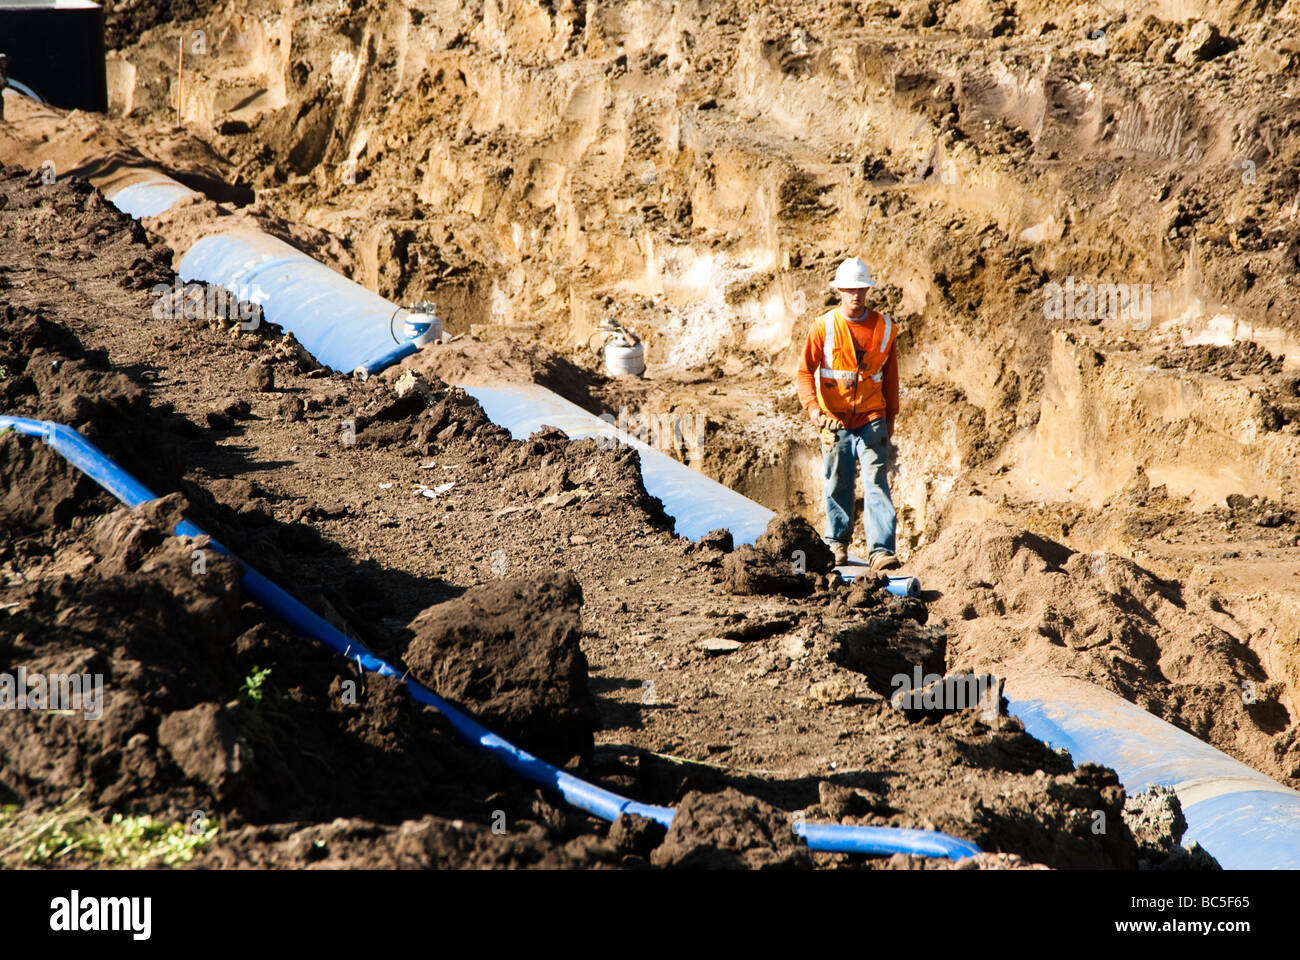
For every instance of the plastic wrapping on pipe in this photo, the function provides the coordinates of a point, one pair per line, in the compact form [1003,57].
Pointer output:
[585,796]
[696,503]
[904,586]
[1245,819]
[340,323]
[148,198]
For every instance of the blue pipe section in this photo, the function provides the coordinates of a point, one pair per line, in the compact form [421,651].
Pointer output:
[1245,819]
[148,198]
[832,838]
[25,90]
[904,586]
[588,797]
[340,323]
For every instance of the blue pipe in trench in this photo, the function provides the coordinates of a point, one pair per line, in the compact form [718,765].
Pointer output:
[1242,817]
[598,801]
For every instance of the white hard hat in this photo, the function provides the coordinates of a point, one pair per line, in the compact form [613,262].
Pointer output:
[851,274]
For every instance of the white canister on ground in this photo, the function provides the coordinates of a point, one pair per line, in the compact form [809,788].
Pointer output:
[422,324]
[623,358]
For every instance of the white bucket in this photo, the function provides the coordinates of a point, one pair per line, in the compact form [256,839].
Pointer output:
[622,359]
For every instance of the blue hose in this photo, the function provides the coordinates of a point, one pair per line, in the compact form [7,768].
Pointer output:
[831,838]
[904,586]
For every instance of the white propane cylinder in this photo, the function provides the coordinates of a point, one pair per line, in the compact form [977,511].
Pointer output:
[623,359]
[422,324]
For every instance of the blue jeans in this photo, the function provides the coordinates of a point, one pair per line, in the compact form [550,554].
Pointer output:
[867,446]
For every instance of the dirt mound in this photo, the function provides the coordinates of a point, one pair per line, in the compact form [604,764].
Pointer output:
[1062,830]
[789,558]
[429,843]
[140,618]
[125,21]
[729,831]
[546,470]
[636,836]
[71,222]
[1155,819]
[792,537]
[509,654]
[883,648]
[1241,359]
[65,490]
[469,361]
[49,377]
[422,420]
[1016,602]
[207,705]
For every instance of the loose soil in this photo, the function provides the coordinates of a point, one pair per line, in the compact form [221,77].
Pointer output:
[1107,497]
[600,666]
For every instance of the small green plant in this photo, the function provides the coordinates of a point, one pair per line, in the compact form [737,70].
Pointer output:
[136,841]
[74,834]
[251,691]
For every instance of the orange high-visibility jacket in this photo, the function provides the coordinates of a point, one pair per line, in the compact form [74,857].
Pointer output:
[855,385]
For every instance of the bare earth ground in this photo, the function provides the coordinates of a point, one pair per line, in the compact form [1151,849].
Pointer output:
[1102,497]
[794,717]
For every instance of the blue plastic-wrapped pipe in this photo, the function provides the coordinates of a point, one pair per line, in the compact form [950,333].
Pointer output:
[149,197]
[598,801]
[1247,820]
[340,323]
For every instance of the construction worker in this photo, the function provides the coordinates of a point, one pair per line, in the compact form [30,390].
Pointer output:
[848,382]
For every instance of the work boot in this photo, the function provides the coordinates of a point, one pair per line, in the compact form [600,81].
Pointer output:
[841,552]
[884,560]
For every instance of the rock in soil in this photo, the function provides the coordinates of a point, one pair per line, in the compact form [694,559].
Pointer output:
[730,831]
[509,653]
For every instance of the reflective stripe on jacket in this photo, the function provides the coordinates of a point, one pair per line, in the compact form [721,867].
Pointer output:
[846,387]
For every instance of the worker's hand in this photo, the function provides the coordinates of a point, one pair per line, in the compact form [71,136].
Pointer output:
[816,415]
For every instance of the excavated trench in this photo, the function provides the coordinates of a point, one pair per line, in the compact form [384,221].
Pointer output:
[696,176]
[537,168]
